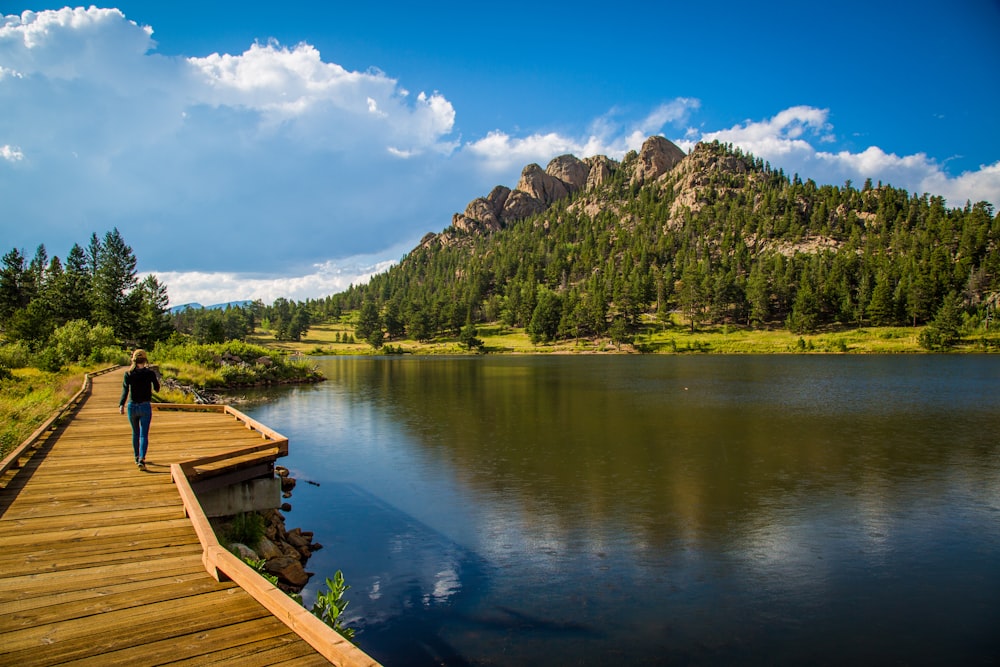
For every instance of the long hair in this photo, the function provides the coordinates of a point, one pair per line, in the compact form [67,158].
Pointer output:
[139,357]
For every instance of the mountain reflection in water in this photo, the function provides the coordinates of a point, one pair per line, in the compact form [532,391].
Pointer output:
[651,510]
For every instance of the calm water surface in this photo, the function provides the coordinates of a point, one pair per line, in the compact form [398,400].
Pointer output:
[655,510]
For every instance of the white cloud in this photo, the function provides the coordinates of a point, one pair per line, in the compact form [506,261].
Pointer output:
[331,277]
[10,153]
[788,140]
[265,159]
[498,151]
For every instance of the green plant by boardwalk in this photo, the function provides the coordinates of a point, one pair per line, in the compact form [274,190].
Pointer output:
[330,605]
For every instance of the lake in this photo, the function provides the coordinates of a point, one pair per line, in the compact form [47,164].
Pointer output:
[595,510]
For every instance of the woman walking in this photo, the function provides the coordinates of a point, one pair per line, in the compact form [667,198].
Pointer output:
[140,380]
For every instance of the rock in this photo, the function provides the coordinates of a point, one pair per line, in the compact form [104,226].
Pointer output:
[268,549]
[657,157]
[243,551]
[263,361]
[570,170]
[290,551]
[520,205]
[286,507]
[541,186]
[296,539]
[287,483]
[600,169]
[498,197]
[288,570]
[281,471]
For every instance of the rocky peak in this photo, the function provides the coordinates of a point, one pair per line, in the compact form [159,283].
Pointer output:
[656,158]
[571,170]
[538,189]
[541,185]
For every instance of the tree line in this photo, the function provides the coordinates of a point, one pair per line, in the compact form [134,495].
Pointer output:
[726,240]
[93,299]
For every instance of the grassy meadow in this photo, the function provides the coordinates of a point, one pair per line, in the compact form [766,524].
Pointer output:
[655,337]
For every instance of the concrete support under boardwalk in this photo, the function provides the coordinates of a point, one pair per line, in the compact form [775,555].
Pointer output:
[253,495]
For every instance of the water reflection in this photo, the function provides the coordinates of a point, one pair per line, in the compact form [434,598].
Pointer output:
[648,509]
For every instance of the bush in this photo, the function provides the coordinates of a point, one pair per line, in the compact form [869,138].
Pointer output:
[15,355]
[77,340]
[48,360]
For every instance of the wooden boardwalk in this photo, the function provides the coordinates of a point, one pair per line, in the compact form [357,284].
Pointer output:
[100,565]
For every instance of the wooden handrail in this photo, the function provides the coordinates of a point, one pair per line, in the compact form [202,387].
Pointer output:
[222,564]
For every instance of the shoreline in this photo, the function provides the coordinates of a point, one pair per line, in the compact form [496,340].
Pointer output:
[654,338]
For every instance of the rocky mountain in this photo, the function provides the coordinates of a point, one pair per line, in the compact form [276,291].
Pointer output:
[565,175]
[587,245]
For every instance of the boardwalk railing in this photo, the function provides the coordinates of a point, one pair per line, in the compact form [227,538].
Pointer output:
[221,564]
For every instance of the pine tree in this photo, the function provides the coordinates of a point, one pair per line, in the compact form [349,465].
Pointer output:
[116,300]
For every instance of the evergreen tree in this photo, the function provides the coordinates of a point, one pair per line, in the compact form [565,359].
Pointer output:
[116,300]
[369,326]
[153,322]
[12,294]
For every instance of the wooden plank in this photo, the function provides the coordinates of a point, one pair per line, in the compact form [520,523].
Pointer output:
[19,587]
[76,638]
[221,644]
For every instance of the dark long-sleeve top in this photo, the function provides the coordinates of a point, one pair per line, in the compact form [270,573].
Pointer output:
[141,382]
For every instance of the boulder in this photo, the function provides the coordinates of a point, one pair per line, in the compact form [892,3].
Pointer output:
[290,551]
[297,539]
[268,549]
[288,570]
[243,552]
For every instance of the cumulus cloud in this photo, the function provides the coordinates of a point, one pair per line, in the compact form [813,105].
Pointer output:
[330,277]
[269,158]
[791,139]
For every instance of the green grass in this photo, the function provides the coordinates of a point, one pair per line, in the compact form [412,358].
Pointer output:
[656,337]
[30,397]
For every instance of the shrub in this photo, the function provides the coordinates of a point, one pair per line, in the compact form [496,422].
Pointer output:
[15,355]
[48,360]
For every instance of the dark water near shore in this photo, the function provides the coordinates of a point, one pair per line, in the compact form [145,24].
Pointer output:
[655,510]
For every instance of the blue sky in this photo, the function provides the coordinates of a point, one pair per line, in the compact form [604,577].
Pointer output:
[252,150]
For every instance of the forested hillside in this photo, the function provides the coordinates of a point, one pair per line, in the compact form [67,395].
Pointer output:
[717,236]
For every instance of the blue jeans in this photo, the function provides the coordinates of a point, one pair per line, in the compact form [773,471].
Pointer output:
[140,414]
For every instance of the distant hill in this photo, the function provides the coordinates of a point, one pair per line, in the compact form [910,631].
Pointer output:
[594,247]
[218,306]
